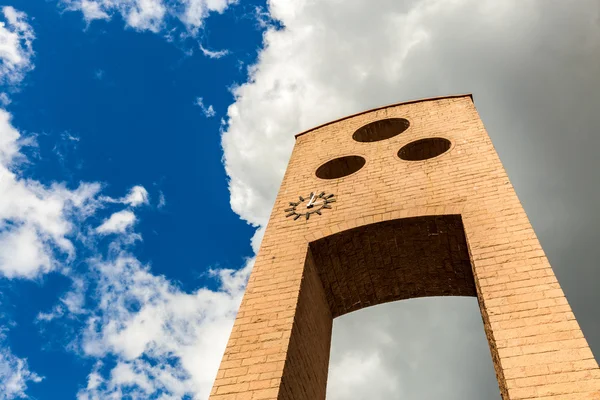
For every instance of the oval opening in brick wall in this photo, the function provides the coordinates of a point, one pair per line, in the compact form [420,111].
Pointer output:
[381,130]
[424,149]
[340,167]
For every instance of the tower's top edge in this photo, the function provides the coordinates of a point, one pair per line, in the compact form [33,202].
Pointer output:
[386,106]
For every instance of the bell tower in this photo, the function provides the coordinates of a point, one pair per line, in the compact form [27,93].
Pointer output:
[402,201]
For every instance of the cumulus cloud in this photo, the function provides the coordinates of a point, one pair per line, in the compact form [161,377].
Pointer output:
[138,195]
[150,15]
[167,342]
[23,254]
[332,60]
[16,37]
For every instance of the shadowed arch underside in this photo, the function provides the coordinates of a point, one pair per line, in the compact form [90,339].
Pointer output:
[394,260]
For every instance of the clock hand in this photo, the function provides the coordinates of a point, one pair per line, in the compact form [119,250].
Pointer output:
[312,199]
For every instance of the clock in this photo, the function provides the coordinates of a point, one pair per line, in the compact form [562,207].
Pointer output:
[312,204]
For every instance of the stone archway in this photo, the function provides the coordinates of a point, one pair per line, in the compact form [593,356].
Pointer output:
[366,266]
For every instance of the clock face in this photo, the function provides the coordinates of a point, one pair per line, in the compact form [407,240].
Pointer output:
[312,204]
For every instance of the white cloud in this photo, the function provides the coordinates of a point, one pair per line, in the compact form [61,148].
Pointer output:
[162,200]
[118,222]
[209,111]
[151,15]
[167,342]
[331,60]
[145,14]
[92,10]
[213,54]
[197,10]
[23,254]
[14,374]
[138,14]
[16,37]
[35,220]
[4,99]
[257,238]
[71,303]
[138,195]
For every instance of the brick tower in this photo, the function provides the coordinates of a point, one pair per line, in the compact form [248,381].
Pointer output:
[403,201]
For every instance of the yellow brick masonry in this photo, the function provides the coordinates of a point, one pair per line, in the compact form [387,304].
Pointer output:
[279,345]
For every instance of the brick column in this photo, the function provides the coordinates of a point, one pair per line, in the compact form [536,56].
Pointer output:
[279,346]
[537,346]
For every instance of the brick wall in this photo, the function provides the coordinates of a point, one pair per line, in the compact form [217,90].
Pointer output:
[537,346]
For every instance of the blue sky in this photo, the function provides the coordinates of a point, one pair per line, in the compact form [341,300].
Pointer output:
[94,116]
[142,143]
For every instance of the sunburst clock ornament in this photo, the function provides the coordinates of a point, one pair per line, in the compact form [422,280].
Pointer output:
[311,204]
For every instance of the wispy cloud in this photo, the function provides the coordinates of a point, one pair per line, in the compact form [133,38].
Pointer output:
[213,54]
[162,201]
[14,373]
[16,52]
[118,222]
[149,15]
[4,99]
[99,74]
[208,111]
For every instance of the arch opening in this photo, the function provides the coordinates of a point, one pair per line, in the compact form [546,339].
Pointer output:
[394,260]
[406,349]
[370,265]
